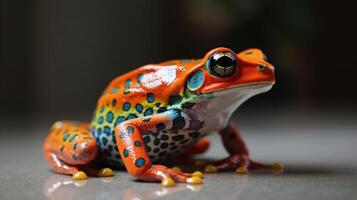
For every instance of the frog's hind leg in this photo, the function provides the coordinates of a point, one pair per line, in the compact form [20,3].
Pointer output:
[70,147]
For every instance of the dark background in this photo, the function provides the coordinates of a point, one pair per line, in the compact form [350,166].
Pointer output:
[57,56]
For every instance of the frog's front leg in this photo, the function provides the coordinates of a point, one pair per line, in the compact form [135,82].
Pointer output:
[238,159]
[133,151]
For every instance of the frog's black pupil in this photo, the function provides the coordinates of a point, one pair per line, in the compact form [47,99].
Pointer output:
[225,61]
[222,66]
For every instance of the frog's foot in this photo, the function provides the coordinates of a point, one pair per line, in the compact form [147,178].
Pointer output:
[169,177]
[241,164]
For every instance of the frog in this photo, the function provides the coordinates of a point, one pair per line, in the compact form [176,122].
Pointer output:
[164,111]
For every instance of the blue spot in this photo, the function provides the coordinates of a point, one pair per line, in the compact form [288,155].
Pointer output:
[119,120]
[100,120]
[74,157]
[130,129]
[137,143]
[126,153]
[126,91]
[114,102]
[126,106]
[140,162]
[72,138]
[131,116]
[65,137]
[102,109]
[104,141]
[107,130]
[146,119]
[139,107]
[75,146]
[148,111]
[110,116]
[115,90]
[150,97]
[195,81]
[140,76]
[128,83]
[122,135]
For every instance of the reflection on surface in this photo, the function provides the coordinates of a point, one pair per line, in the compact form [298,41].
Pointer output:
[63,187]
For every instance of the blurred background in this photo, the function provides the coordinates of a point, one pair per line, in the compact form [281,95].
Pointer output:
[56,57]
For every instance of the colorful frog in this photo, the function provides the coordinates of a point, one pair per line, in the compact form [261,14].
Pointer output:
[162,111]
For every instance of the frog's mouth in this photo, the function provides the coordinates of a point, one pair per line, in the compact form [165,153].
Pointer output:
[248,89]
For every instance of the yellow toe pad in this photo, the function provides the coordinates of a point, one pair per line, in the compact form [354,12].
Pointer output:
[197,174]
[195,180]
[242,170]
[176,168]
[105,172]
[278,167]
[210,169]
[169,182]
[79,176]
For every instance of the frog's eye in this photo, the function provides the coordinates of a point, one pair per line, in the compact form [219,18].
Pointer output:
[195,81]
[222,64]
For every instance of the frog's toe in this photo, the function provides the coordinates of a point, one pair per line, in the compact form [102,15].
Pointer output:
[210,169]
[80,175]
[197,174]
[168,182]
[176,168]
[195,180]
[278,167]
[105,172]
[241,170]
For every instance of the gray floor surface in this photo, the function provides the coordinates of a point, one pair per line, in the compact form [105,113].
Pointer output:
[318,149]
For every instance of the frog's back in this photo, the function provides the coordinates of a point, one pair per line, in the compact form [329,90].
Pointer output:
[142,92]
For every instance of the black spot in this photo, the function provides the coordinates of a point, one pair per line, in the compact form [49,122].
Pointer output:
[160,126]
[148,111]
[174,99]
[173,147]
[164,145]
[158,104]
[156,141]
[178,123]
[137,143]
[184,141]
[187,105]
[164,137]
[110,148]
[152,157]
[146,139]
[232,136]
[161,110]
[163,153]
[107,153]
[140,162]
[156,150]
[178,137]
[117,156]
[104,141]
[194,134]
[148,149]
[114,102]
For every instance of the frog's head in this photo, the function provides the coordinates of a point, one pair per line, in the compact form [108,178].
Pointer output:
[222,71]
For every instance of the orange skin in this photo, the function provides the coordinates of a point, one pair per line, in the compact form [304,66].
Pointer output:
[160,99]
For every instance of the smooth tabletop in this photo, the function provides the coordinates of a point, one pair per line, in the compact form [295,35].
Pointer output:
[318,150]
